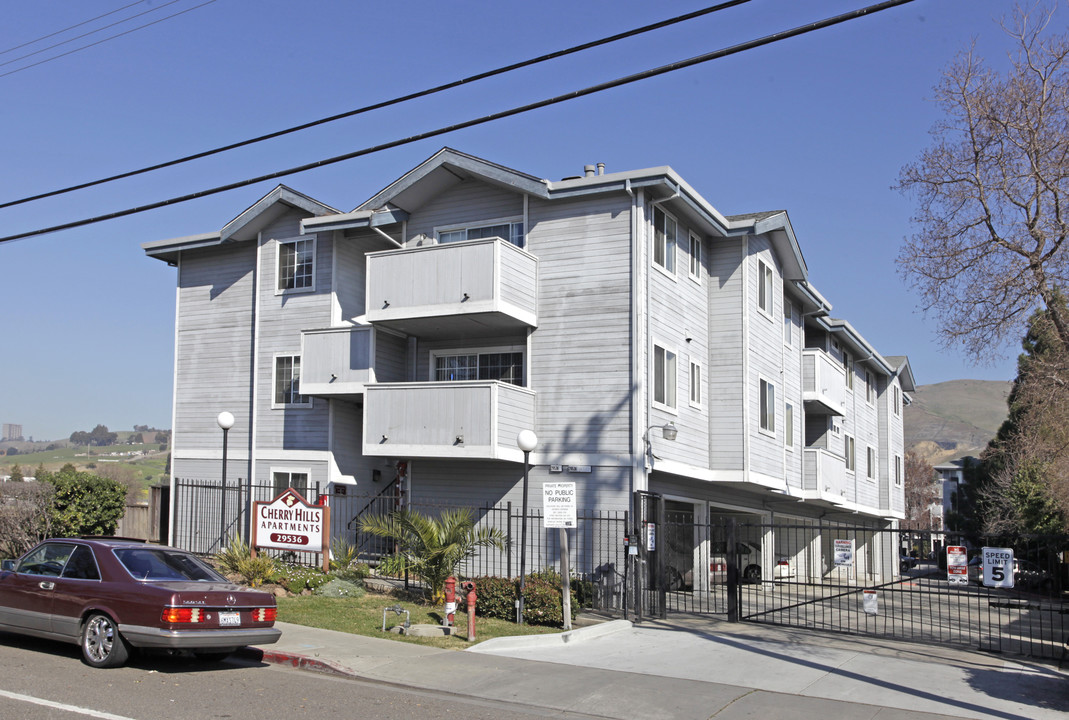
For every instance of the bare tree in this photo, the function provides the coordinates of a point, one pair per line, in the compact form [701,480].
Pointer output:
[24,516]
[922,491]
[993,193]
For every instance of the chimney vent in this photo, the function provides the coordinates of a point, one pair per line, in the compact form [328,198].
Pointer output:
[588,170]
[601,168]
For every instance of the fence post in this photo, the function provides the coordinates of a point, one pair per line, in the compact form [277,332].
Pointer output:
[733,573]
[508,538]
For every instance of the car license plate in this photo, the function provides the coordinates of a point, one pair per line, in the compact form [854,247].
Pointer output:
[229,618]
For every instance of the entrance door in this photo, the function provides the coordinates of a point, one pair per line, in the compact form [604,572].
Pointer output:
[679,545]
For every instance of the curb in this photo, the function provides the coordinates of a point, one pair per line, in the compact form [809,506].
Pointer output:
[505,644]
[295,660]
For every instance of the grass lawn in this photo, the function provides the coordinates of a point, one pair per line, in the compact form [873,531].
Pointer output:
[363,616]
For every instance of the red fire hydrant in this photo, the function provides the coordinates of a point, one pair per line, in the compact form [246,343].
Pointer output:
[469,587]
[450,600]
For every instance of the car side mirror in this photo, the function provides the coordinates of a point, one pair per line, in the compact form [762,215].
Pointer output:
[8,565]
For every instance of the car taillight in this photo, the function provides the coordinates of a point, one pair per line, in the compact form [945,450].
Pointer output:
[181,615]
[718,567]
[783,562]
[265,614]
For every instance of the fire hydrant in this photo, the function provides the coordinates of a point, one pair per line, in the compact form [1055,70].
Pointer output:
[469,587]
[450,601]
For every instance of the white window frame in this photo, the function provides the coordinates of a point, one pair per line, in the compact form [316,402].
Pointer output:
[848,368]
[849,453]
[660,242]
[898,471]
[292,470]
[311,286]
[766,302]
[695,384]
[695,258]
[788,322]
[669,381]
[870,387]
[766,401]
[872,459]
[275,405]
[897,400]
[488,350]
[512,221]
[788,425]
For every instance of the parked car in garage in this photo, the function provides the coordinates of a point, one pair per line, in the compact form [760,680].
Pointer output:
[110,596]
[906,562]
[748,556]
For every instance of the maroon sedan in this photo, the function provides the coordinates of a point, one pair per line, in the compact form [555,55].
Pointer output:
[110,595]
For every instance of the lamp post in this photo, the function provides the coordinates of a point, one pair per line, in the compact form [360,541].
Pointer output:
[226,421]
[526,441]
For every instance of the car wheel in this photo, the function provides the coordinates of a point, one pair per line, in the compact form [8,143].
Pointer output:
[212,655]
[752,573]
[102,644]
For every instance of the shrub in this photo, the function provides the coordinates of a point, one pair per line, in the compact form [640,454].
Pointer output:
[542,600]
[339,588]
[231,557]
[296,578]
[84,503]
[255,570]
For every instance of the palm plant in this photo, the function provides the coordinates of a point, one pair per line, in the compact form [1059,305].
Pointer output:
[433,547]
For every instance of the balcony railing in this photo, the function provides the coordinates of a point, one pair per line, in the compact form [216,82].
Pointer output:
[482,287]
[343,360]
[467,419]
[824,475]
[823,383]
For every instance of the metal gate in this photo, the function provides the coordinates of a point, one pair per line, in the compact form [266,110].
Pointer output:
[859,580]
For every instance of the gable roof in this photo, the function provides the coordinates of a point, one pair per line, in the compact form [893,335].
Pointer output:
[246,226]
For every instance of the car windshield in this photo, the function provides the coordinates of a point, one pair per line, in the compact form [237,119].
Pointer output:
[158,564]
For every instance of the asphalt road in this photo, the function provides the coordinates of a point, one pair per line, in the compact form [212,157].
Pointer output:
[44,680]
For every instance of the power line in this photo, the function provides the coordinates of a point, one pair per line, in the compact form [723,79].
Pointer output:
[380,105]
[589,90]
[86,34]
[70,27]
[101,41]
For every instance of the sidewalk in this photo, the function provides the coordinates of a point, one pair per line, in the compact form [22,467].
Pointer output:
[697,667]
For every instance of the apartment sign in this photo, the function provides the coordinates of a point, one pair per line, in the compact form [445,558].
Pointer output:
[289,522]
[558,505]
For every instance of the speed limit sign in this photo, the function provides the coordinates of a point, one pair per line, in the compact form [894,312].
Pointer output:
[998,567]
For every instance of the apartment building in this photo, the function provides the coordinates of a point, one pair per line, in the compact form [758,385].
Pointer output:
[650,342]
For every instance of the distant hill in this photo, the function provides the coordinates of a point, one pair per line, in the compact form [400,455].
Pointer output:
[952,419]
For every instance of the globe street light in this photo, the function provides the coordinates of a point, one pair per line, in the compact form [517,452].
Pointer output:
[526,441]
[226,421]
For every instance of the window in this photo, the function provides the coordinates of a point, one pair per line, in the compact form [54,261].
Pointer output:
[768,406]
[870,388]
[695,257]
[896,396]
[296,265]
[848,452]
[288,382]
[664,376]
[870,468]
[511,231]
[504,366]
[285,479]
[695,384]
[764,287]
[848,366]
[664,240]
[788,426]
[82,565]
[898,471]
[788,322]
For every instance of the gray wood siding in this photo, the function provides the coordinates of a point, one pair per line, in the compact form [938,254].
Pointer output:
[866,430]
[467,203]
[725,366]
[580,353]
[352,271]
[390,358]
[765,359]
[679,321]
[214,345]
[792,393]
[282,317]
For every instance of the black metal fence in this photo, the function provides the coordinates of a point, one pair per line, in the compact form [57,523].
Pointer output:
[884,583]
[206,518]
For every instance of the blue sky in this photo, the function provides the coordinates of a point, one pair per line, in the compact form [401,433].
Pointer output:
[818,125]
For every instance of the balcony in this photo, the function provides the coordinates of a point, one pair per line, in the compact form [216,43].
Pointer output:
[824,475]
[823,383]
[475,288]
[341,361]
[468,419]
